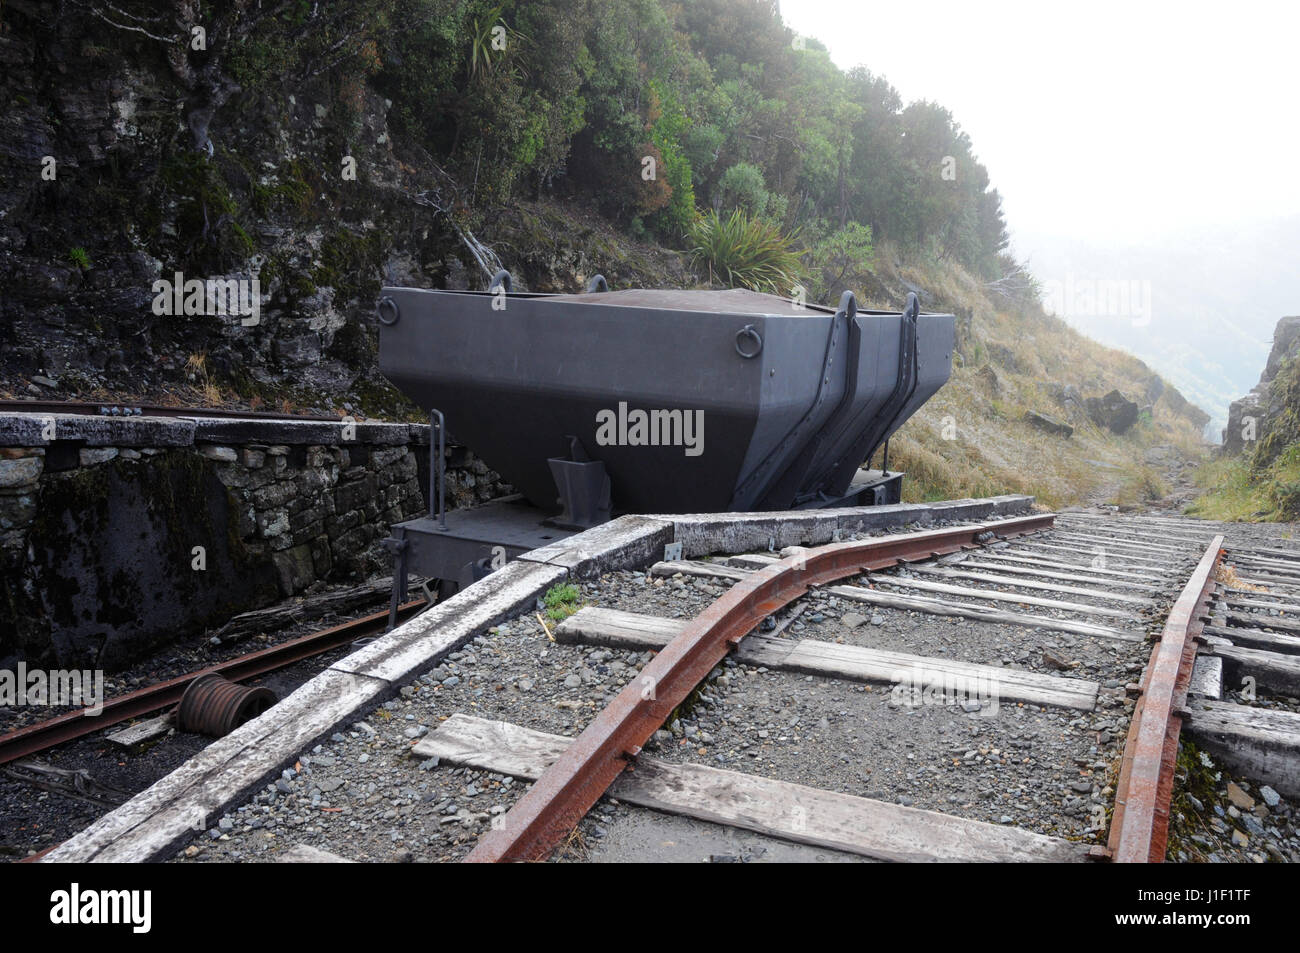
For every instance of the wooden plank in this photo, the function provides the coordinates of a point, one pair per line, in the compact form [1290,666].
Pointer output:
[1256,639]
[1260,743]
[304,609]
[1145,549]
[1247,567]
[1269,582]
[1207,677]
[997,616]
[306,854]
[1157,542]
[1141,537]
[635,632]
[1253,620]
[857,663]
[1271,671]
[1247,603]
[752,560]
[697,567]
[1284,566]
[1112,557]
[1031,584]
[1191,534]
[993,595]
[628,542]
[1066,576]
[1172,544]
[1285,555]
[1139,525]
[143,731]
[1109,561]
[163,816]
[1076,546]
[780,809]
[1077,567]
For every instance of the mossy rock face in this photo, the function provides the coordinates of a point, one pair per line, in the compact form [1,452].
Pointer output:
[1281,419]
[112,574]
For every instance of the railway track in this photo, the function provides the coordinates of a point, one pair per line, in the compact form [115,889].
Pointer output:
[43,735]
[1012,692]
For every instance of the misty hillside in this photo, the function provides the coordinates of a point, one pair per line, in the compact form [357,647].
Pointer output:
[329,149]
[1025,409]
[1215,296]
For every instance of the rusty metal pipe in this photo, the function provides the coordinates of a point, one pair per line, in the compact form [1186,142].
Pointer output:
[215,706]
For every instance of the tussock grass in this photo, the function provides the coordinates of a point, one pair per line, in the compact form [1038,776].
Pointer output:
[744,252]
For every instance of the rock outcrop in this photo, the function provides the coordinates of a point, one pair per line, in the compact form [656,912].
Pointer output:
[1115,412]
[1253,416]
[1048,424]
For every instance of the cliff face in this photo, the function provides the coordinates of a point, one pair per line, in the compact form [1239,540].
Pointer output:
[125,161]
[1263,421]
[1257,475]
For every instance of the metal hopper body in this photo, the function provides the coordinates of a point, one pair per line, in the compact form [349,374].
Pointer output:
[792,400]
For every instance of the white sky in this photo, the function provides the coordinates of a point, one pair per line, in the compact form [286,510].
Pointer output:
[1105,120]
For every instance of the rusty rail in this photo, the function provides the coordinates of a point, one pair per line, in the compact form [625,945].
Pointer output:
[553,806]
[77,724]
[1139,827]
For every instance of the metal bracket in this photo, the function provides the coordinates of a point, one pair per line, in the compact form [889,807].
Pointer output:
[797,434]
[438,467]
[672,552]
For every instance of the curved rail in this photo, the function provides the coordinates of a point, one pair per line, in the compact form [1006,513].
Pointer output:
[1139,827]
[553,806]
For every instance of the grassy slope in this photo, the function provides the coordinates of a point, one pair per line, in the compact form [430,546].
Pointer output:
[994,451]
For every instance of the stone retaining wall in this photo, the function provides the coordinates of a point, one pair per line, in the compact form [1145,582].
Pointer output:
[102,521]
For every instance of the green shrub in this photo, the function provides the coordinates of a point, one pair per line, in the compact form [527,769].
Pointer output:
[742,186]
